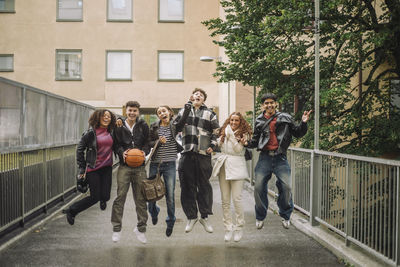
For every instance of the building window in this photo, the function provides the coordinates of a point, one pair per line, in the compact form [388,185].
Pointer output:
[6,62]
[119,10]
[394,96]
[68,65]
[170,65]
[170,10]
[119,65]
[7,6]
[70,10]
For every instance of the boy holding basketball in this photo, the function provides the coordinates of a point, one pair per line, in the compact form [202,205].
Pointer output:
[133,133]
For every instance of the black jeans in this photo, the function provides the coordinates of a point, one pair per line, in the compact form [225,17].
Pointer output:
[100,189]
[194,175]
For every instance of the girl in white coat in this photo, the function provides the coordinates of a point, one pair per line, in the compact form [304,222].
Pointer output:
[230,167]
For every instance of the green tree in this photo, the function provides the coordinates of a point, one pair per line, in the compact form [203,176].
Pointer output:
[270,44]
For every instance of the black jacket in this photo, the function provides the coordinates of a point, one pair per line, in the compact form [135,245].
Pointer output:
[88,145]
[153,135]
[285,129]
[124,138]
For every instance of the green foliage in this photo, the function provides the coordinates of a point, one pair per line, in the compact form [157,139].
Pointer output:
[270,45]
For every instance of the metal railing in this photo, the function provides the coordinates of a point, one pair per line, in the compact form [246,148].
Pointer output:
[356,197]
[30,180]
[39,132]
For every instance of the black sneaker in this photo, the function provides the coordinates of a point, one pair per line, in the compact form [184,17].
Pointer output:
[154,220]
[70,217]
[103,205]
[168,232]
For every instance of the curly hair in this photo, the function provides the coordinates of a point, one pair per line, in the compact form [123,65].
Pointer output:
[94,120]
[243,129]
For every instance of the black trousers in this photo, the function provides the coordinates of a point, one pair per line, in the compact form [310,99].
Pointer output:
[196,191]
[100,189]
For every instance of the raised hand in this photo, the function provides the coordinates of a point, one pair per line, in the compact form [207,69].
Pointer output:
[306,116]
[118,122]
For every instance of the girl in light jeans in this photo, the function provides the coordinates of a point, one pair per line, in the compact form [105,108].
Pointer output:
[164,162]
[230,167]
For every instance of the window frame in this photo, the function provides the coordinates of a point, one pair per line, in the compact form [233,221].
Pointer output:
[119,20]
[12,10]
[58,19]
[171,20]
[57,78]
[12,67]
[131,62]
[158,65]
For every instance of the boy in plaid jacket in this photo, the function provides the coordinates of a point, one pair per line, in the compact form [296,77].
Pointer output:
[198,125]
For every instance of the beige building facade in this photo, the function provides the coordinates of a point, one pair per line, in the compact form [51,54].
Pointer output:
[106,52]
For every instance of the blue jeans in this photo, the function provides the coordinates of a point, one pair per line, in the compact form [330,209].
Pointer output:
[278,165]
[168,172]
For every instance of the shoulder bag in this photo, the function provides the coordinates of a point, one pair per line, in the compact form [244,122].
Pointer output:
[153,188]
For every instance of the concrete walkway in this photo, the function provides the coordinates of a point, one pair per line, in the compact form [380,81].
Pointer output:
[88,242]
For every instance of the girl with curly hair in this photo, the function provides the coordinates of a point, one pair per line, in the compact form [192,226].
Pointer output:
[94,158]
[231,169]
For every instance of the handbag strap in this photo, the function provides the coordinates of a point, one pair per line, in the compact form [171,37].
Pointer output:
[153,151]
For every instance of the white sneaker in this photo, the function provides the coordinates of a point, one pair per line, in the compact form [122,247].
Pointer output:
[206,225]
[228,236]
[190,224]
[116,236]
[285,223]
[140,236]
[259,224]
[237,235]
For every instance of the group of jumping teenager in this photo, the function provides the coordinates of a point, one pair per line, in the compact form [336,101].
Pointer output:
[202,139]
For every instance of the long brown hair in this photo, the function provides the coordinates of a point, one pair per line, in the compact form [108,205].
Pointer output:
[243,129]
[94,120]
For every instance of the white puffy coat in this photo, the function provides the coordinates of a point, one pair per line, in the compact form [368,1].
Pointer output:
[231,157]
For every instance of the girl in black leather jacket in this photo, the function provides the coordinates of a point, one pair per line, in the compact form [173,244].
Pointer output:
[98,145]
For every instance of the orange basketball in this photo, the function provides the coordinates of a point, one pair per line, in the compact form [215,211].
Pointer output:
[134,157]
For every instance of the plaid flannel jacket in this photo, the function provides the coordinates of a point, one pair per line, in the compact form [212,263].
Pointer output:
[198,127]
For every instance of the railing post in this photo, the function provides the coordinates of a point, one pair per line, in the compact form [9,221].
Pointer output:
[21,155]
[398,217]
[292,174]
[314,190]
[21,174]
[348,210]
[45,178]
[63,171]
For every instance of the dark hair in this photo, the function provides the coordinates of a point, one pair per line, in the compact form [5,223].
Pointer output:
[244,127]
[268,96]
[171,112]
[133,104]
[201,91]
[94,120]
